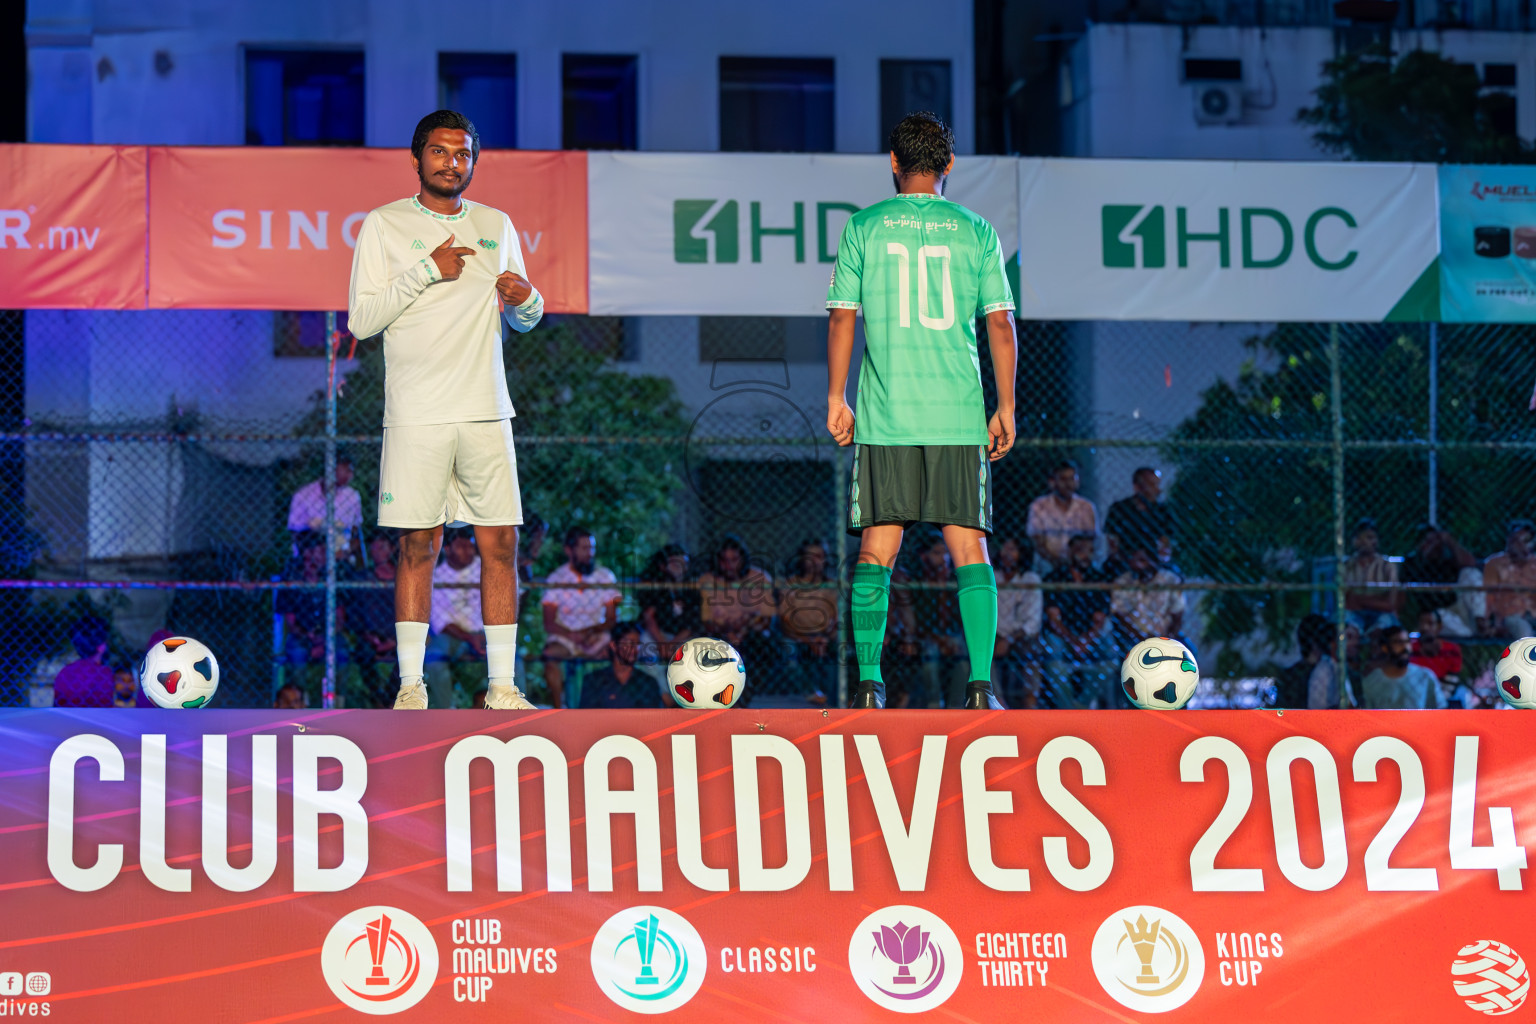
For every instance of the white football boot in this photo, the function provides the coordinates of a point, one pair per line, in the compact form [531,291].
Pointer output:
[507,698]
[412,696]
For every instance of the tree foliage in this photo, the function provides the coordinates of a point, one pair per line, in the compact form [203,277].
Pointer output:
[1418,107]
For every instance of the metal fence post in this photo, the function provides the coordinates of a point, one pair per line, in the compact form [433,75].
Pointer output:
[839,540]
[1336,406]
[1434,423]
[328,686]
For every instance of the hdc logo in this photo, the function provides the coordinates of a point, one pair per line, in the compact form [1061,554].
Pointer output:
[1137,236]
[709,230]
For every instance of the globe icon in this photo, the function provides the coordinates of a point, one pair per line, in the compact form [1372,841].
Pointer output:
[1490,977]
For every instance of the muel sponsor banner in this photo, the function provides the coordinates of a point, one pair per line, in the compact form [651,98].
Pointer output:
[253,228]
[747,234]
[72,227]
[1215,240]
[1488,244]
[766,865]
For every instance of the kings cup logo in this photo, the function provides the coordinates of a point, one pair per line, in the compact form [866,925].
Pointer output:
[905,959]
[1148,959]
[379,960]
[648,959]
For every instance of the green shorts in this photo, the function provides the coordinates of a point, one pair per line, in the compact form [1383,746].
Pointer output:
[943,484]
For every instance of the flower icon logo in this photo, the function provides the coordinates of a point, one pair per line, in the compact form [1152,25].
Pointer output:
[905,959]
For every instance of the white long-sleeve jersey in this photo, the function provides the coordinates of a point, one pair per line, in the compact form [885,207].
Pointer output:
[442,339]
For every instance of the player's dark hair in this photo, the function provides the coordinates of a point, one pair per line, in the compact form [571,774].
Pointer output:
[574,535]
[1386,632]
[1519,526]
[1316,633]
[797,564]
[1026,549]
[454,533]
[445,119]
[656,569]
[1140,472]
[1365,523]
[533,523]
[1066,464]
[88,635]
[732,542]
[922,143]
[303,540]
[622,629]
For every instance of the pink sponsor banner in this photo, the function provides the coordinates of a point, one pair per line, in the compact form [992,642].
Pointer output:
[273,228]
[1329,867]
[72,227]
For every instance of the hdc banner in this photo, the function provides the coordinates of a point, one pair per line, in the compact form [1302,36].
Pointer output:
[71,227]
[255,228]
[1214,240]
[747,234]
[1488,244]
[1332,867]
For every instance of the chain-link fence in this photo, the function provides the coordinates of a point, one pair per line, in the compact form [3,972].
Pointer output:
[162,472]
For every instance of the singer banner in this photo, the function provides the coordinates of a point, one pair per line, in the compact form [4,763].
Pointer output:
[1331,867]
[71,227]
[246,227]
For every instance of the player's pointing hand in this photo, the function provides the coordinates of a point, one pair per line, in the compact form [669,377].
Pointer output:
[450,258]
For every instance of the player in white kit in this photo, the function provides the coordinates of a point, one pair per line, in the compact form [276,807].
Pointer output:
[437,274]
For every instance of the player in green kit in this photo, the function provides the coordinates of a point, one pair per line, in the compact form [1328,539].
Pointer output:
[923,269]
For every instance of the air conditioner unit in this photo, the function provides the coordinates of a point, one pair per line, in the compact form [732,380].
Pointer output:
[1218,102]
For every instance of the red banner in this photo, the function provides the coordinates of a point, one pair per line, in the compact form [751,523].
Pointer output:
[273,228]
[766,865]
[71,227]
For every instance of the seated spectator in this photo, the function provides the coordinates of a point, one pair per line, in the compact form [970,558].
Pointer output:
[87,682]
[290,697]
[1374,608]
[1313,682]
[935,610]
[371,618]
[1438,558]
[738,602]
[578,617]
[1395,681]
[306,512]
[530,544]
[619,685]
[458,629]
[303,611]
[1077,631]
[1059,515]
[1442,657]
[1512,613]
[1142,520]
[1140,613]
[671,611]
[1020,612]
[808,617]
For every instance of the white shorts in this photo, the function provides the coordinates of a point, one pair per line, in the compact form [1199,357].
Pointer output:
[454,473]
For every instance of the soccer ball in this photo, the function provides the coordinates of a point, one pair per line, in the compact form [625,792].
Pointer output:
[1515,674]
[706,673]
[1159,674]
[179,672]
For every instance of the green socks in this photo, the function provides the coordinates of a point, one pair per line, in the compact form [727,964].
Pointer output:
[871,603]
[978,615]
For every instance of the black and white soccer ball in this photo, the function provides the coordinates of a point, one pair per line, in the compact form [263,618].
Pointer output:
[1159,674]
[706,673]
[179,672]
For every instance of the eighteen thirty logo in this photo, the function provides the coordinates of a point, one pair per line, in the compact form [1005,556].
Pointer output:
[648,959]
[905,959]
[710,230]
[1148,959]
[1137,237]
[379,960]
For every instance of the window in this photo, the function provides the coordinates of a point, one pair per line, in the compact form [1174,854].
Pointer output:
[600,101]
[304,97]
[907,86]
[776,105]
[482,87]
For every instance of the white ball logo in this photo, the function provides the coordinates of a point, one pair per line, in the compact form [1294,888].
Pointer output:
[379,960]
[1491,977]
[1148,959]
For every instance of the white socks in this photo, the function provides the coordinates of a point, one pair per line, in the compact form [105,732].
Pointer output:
[411,650]
[500,654]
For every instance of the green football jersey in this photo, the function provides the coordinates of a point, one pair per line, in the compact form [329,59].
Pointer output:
[923,268]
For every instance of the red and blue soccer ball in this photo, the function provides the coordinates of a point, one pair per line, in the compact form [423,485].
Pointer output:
[1515,674]
[178,673]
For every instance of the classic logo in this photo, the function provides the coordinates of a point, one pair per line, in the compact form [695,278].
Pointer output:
[1136,236]
[1490,977]
[648,959]
[905,959]
[1148,959]
[379,960]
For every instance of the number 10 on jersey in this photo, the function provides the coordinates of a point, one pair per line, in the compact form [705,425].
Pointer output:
[946,318]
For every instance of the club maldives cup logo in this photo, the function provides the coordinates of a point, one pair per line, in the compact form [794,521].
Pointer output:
[1148,959]
[379,960]
[905,959]
[648,959]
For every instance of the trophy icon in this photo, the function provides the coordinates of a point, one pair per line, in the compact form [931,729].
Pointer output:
[902,946]
[378,942]
[645,938]
[1144,941]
